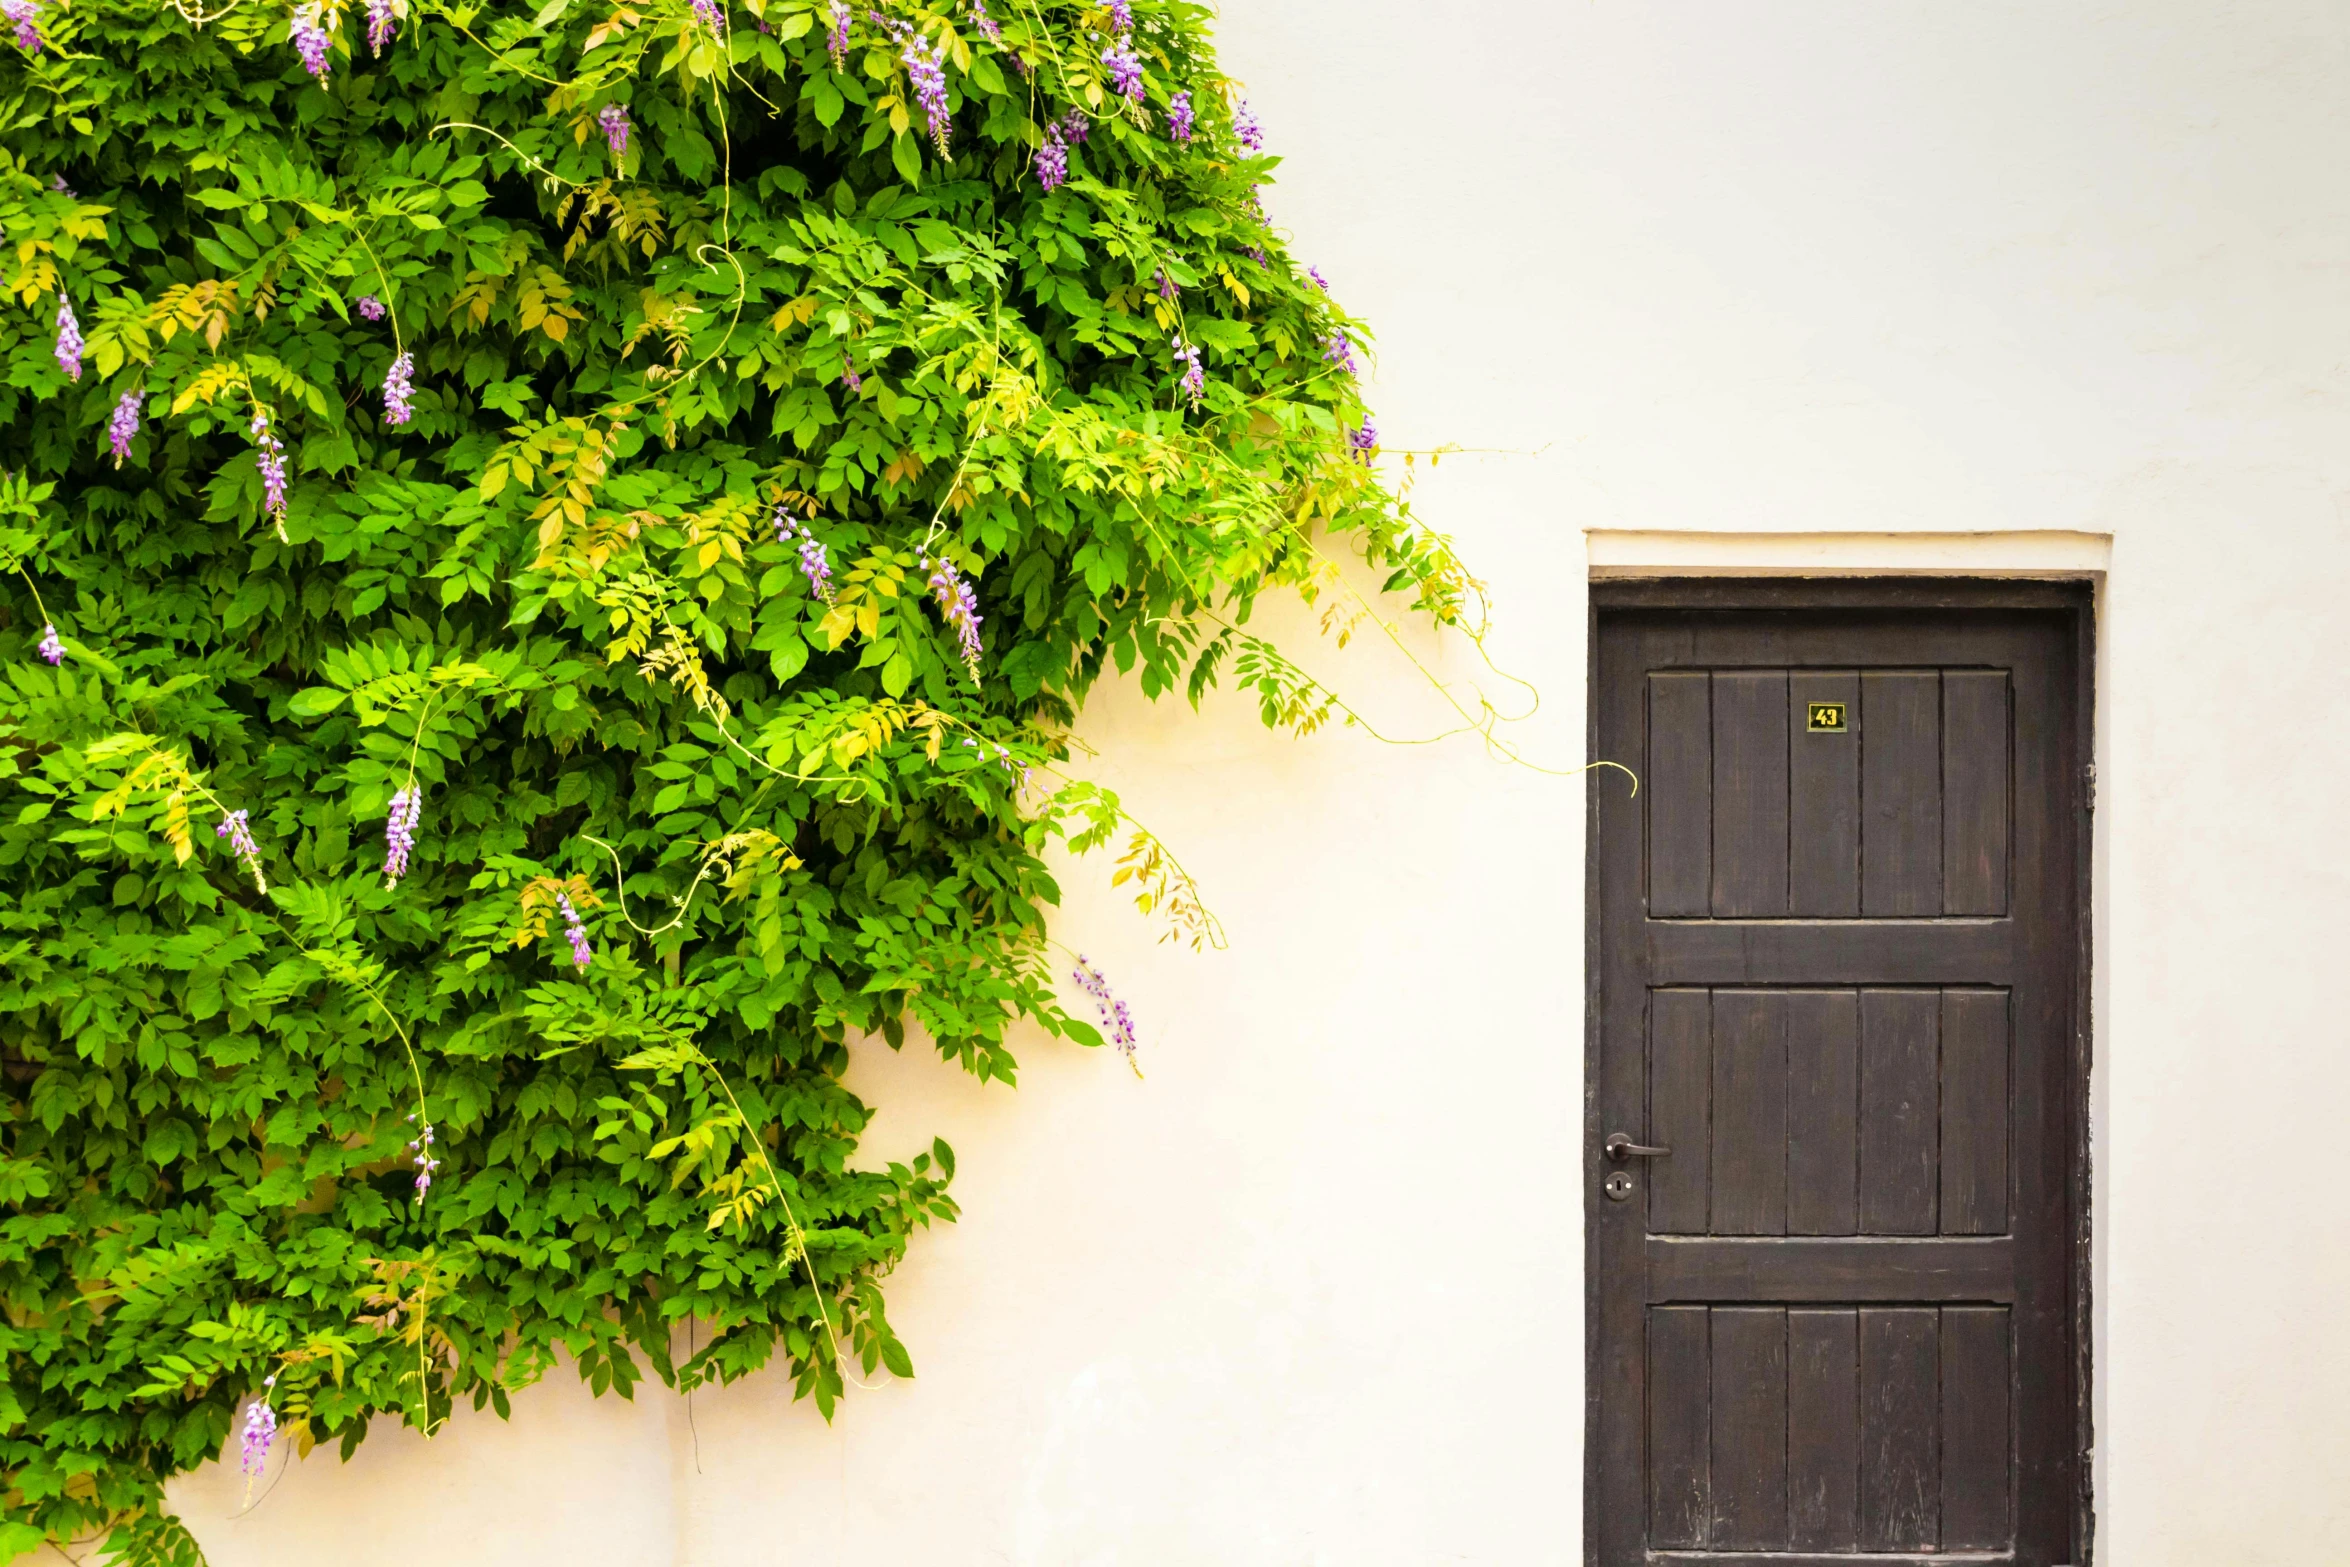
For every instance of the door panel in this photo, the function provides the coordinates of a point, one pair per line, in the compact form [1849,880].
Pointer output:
[1834,955]
[1835,1429]
[1901,812]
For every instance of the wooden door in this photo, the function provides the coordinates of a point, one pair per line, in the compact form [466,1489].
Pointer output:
[1836,964]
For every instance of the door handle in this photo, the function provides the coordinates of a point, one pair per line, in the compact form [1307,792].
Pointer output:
[1620,1147]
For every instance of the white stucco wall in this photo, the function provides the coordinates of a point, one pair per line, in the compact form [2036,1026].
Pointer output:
[1312,1293]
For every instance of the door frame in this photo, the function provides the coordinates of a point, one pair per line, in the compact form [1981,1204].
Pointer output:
[2074,599]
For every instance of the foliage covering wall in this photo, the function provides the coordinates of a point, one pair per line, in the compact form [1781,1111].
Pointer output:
[667,474]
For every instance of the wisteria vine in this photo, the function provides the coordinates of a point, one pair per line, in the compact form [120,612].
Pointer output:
[685,502]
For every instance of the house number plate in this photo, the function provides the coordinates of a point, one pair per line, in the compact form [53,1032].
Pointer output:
[1825,718]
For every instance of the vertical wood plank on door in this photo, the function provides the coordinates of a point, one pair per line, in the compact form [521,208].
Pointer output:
[1901,794]
[1680,1110]
[1975,788]
[1749,1429]
[1823,1430]
[1823,1100]
[1679,1487]
[1680,794]
[1823,799]
[1975,1115]
[1750,795]
[1900,1428]
[1900,1110]
[1750,1113]
[1976,1462]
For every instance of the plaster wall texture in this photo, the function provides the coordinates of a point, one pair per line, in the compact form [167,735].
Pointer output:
[2043,286]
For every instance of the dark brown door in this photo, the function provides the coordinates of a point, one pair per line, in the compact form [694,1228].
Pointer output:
[1836,972]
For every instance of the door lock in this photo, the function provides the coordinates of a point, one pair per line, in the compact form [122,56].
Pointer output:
[1618,1186]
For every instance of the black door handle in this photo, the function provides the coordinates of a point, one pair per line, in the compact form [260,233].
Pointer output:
[1620,1147]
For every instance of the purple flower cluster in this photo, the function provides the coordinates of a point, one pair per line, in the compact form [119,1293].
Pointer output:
[1195,379]
[400,838]
[1363,440]
[270,453]
[382,22]
[1125,68]
[426,1160]
[987,25]
[237,828]
[814,564]
[370,308]
[260,1432]
[69,340]
[49,646]
[1340,352]
[1244,125]
[958,606]
[124,426]
[399,390]
[849,376]
[581,953]
[1179,115]
[836,42]
[1166,286]
[930,86]
[25,14]
[311,40]
[1320,281]
[1121,16]
[709,14]
[1117,1022]
[613,120]
[1052,160]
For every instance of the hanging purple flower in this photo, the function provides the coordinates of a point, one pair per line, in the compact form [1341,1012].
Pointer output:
[708,13]
[270,454]
[815,565]
[49,647]
[1195,379]
[399,388]
[237,828]
[260,1432]
[1340,352]
[1074,125]
[124,426]
[57,184]
[311,40]
[370,308]
[958,606]
[382,22]
[1167,286]
[1244,125]
[69,340]
[421,1152]
[1363,440]
[1052,160]
[1125,68]
[1320,281]
[400,834]
[836,42]
[614,121]
[1179,116]
[581,953]
[25,14]
[986,24]
[848,374]
[930,86]
[1117,1022]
